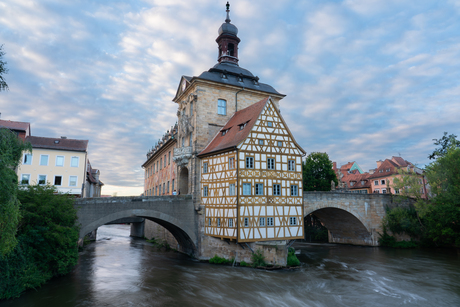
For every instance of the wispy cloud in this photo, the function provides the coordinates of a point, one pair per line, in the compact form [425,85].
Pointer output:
[364,80]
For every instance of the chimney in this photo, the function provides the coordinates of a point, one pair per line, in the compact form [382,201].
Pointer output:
[371,171]
[379,162]
[63,137]
[334,165]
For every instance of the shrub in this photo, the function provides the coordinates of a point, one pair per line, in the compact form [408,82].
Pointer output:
[219,260]
[47,241]
[244,263]
[292,259]
[258,259]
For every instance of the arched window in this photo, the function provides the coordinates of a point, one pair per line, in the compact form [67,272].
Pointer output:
[231,49]
[222,107]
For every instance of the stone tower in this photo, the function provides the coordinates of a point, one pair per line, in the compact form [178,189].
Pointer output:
[206,102]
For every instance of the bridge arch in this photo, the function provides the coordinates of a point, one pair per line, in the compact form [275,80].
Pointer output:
[174,213]
[343,226]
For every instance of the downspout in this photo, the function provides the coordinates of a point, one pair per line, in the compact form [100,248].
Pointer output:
[236,98]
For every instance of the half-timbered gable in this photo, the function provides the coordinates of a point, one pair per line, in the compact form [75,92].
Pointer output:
[252,178]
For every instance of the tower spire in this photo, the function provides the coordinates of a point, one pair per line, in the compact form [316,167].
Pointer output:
[228,13]
[228,41]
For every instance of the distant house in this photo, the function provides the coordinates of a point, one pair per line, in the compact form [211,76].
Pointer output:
[93,185]
[61,162]
[382,178]
[344,171]
[357,183]
[21,129]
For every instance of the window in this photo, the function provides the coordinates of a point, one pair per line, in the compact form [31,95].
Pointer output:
[73,181]
[25,179]
[58,180]
[231,189]
[269,124]
[384,191]
[377,191]
[292,220]
[280,144]
[163,188]
[230,222]
[249,162]
[191,108]
[388,169]
[44,160]
[74,161]
[157,167]
[261,221]
[172,188]
[231,163]
[205,167]
[381,171]
[261,142]
[294,190]
[246,189]
[276,189]
[169,158]
[218,222]
[59,160]
[167,189]
[376,182]
[42,179]
[291,165]
[352,183]
[259,189]
[27,159]
[270,163]
[363,182]
[382,181]
[209,222]
[190,141]
[161,163]
[205,191]
[246,222]
[165,162]
[269,221]
[221,107]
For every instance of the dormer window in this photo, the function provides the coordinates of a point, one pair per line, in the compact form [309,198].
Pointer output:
[352,183]
[224,132]
[388,170]
[363,182]
[243,125]
[381,171]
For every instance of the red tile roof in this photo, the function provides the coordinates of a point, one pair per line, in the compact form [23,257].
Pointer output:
[389,167]
[234,135]
[58,143]
[357,179]
[400,161]
[21,126]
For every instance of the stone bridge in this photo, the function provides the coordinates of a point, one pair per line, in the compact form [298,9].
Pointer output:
[175,213]
[351,218]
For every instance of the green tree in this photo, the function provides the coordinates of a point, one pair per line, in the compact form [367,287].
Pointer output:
[318,173]
[3,70]
[47,241]
[446,142]
[11,148]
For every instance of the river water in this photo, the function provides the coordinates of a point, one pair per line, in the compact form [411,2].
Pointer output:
[118,270]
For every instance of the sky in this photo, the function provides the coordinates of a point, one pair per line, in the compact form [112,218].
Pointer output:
[365,79]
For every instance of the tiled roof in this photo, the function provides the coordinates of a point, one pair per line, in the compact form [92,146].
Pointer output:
[234,135]
[387,168]
[21,126]
[58,143]
[400,161]
[358,179]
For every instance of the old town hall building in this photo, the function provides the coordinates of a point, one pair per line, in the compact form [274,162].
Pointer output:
[233,152]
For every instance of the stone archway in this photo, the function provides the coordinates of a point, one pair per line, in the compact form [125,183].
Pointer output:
[183,181]
[344,227]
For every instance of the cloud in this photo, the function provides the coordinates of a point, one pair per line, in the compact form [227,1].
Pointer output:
[364,80]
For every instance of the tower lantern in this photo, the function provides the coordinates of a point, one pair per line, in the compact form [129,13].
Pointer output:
[228,41]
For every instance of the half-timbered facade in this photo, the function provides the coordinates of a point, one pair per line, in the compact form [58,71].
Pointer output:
[251,182]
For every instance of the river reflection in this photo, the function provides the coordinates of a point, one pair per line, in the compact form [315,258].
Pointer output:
[118,270]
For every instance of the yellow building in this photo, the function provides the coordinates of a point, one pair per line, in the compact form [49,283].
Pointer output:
[60,162]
